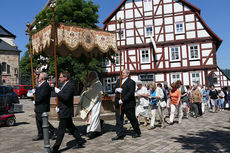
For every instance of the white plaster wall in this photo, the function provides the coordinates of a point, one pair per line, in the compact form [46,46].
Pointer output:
[120,14]
[190,26]
[186,78]
[203,33]
[111,27]
[178,7]
[189,18]
[166,64]
[166,53]
[158,22]
[179,18]
[210,61]
[206,52]
[168,28]
[179,37]
[167,8]
[185,63]
[130,41]
[131,52]
[134,77]
[145,67]
[194,63]
[137,14]
[175,64]
[159,77]
[169,37]
[129,14]
[138,2]
[191,34]
[129,25]
[207,45]
[139,24]
[184,51]
[128,4]
[168,20]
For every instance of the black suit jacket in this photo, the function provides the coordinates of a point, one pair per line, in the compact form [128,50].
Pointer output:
[65,100]
[42,98]
[128,94]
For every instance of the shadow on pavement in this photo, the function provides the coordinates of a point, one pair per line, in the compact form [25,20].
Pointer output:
[206,141]
[20,123]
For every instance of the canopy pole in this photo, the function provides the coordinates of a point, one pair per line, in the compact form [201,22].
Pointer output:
[120,21]
[31,58]
[52,6]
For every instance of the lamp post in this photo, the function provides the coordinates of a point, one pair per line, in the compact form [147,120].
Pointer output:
[120,21]
[52,6]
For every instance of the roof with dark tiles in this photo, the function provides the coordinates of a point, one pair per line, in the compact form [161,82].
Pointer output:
[4,46]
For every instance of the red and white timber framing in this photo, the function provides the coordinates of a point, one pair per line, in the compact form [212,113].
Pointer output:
[163,18]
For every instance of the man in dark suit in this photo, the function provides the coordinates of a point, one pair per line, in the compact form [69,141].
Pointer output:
[42,104]
[128,105]
[65,110]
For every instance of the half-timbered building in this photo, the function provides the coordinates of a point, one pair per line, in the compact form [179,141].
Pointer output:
[164,40]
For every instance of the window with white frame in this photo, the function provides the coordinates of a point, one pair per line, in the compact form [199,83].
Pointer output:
[122,34]
[147,1]
[148,31]
[179,27]
[175,77]
[108,84]
[145,55]
[194,52]
[146,78]
[117,58]
[196,77]
[175,53]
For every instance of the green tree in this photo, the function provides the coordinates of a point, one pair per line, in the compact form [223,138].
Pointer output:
[25,67]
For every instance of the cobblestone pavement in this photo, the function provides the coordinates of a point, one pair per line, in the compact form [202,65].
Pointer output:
[209,133]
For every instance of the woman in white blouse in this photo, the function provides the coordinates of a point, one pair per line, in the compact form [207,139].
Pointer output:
[143,102]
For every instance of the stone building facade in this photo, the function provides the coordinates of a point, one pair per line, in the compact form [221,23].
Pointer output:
[9,58]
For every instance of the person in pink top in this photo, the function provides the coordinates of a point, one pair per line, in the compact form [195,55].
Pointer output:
[175,100]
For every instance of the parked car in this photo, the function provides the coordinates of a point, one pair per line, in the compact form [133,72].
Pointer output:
[8,98]
[30,94]
[22,90]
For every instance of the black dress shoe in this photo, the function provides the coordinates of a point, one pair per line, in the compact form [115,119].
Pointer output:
[37,138]
[78,145]
[118,138]
[52,150]
[136,135]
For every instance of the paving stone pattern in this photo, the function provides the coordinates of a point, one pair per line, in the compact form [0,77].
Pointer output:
[209,133]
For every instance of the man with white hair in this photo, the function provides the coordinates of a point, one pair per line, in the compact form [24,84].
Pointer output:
[42,104]
[90,105]
[196,99]
[128,104]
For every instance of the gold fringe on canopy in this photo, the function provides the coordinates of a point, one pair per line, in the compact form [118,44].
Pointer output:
[74,40]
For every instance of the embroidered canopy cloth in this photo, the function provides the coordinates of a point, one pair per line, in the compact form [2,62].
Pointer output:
[74,40]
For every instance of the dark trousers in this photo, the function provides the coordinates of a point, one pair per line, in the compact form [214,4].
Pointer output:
[66,123]
[197,109]
[39,125]
[130,114]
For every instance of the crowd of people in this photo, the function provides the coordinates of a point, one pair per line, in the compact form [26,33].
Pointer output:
[178,100]
[132,99]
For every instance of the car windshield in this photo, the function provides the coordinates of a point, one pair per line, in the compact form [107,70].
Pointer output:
[16,87]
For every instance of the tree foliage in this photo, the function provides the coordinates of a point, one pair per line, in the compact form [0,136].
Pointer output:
[75,12]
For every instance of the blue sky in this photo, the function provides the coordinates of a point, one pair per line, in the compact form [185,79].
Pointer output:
[16,13]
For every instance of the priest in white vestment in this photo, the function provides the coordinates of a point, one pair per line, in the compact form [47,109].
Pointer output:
[90,105]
